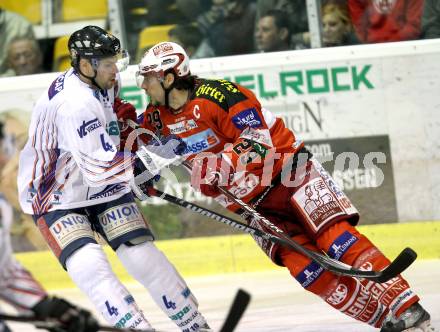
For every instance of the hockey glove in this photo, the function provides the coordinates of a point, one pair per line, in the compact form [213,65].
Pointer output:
[208,173]
[4,327]
[71,318]
[143,180]
[151,159]
[125,111]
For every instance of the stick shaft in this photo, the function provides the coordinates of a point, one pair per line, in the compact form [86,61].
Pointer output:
[401,263]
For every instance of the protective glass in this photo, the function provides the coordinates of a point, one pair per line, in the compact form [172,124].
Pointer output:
[123,60]
[148,77]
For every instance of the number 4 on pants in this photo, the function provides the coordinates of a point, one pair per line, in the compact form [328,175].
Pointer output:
[111,310]
[168,304]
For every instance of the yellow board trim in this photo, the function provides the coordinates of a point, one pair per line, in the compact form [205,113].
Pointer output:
[239,253]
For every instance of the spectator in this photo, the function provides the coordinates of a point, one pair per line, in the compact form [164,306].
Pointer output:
[23,57]
[190,36]
[12,26]
[229,26]
[431,19]
[337,29]
[273,32]
[192,8]
[296,10]
[386,20]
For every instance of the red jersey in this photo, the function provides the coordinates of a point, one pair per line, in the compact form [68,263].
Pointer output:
[386,20]
[227,119]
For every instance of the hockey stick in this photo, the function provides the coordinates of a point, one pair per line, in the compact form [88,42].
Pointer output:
[401,263]
[236,311]
[239,305]
[403,260]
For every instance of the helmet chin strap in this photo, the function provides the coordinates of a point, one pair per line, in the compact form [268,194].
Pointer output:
[167,96]
[167,92]
[94,63]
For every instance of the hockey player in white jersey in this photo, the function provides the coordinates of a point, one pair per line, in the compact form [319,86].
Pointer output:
[19,288]
[74,181]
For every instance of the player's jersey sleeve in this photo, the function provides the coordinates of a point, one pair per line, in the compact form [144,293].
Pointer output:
[96,154]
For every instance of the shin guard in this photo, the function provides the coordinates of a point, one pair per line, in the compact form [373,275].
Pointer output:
[151,268]
[89,269]
[345,294]
[342,241]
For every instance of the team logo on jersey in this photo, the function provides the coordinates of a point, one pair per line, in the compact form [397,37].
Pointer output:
[88,127]
[108,191]
[247,118]
[210,92]
[112,128]
[54,199]
[31,194]
[182,126]
[200,142]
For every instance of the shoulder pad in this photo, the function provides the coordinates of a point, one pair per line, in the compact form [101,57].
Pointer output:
[222,92]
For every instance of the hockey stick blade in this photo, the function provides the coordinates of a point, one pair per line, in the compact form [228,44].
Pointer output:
[405,258]
[238,307]
[400,264]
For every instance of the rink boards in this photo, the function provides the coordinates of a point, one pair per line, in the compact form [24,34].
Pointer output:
[238,253]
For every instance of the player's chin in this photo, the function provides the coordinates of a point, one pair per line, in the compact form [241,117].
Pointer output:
[154,101]
[111,83]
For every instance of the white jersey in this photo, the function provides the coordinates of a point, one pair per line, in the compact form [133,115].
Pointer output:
[17,286]
[6,216]
[71,158]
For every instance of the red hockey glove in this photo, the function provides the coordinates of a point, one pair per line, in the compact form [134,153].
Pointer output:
[125,111]
[208,173]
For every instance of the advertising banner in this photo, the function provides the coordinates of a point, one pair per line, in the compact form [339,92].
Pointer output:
[361,99]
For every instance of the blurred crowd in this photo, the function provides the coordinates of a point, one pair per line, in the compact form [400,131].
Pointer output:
[209,28]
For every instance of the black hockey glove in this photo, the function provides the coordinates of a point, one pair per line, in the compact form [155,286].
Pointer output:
[71,318]
[141,185]
[4,327]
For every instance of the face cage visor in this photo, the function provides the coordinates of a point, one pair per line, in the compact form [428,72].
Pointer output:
[140,77]
[122,61]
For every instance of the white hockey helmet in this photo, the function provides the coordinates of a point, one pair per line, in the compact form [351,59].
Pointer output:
[162,58]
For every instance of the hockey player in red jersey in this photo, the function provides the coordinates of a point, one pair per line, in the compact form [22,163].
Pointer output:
[235,142]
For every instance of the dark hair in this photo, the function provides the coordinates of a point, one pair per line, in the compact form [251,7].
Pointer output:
[281,19]
[187,34]
[2,134]
[185,83]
